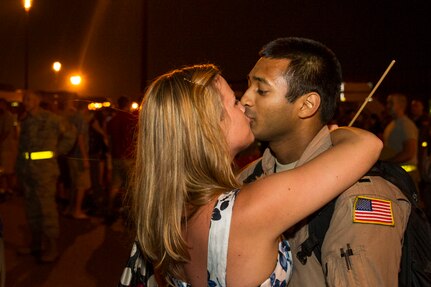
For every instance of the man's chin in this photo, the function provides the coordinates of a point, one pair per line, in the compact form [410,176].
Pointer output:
[258,135]
[254,129]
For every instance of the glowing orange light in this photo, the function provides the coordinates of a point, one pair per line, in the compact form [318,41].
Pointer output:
[56,66]
[27,5]
[76,80]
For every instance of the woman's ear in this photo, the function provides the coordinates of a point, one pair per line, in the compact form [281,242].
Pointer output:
[310,104]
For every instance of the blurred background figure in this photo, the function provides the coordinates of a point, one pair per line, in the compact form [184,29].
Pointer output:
[98,154]
[425,170]
[2,257]
[8,149]
[120,128]
[400,137]
[78,159]
[418,113]
[250,154]
[42,137]
[374,124]
[420,116]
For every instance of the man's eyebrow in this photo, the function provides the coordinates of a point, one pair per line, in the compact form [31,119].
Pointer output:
[259,79]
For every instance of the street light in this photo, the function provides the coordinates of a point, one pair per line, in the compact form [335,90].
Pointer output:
[27,7]
[56,67]
[75,80]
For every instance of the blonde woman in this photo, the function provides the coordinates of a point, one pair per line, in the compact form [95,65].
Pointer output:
[195,225]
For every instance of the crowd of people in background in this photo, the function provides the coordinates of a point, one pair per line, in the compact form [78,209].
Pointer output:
[97,145]
[93,172]
[8,148]
[63,159]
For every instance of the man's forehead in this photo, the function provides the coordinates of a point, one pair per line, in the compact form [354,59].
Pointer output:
[268,70]
[269,67]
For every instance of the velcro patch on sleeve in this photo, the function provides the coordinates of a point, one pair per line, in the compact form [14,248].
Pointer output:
[373,211]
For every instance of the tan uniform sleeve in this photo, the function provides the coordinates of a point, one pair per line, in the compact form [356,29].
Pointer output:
[376,248]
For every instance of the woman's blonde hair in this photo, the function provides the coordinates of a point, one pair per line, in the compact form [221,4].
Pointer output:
[182,162]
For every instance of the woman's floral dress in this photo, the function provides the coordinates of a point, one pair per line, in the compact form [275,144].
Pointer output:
[139,273]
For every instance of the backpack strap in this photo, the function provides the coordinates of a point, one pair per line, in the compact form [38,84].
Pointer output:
[396,175]
[317,228]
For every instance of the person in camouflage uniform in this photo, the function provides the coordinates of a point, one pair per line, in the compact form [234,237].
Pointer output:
[43,136]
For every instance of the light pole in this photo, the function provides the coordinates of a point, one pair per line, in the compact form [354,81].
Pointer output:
[27,7]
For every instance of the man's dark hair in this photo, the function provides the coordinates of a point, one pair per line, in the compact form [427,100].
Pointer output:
[313,67]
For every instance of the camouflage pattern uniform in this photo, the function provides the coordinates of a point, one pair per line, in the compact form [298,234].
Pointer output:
[43,131]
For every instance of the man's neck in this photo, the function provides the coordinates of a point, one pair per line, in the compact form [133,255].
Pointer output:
[292,146]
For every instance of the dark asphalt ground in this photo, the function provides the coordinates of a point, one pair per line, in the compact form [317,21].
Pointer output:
[91,253]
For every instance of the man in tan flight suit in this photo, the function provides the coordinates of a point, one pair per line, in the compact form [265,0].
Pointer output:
[292,95]
[43,136]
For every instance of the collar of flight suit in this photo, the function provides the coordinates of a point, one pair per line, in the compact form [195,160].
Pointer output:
[320,143]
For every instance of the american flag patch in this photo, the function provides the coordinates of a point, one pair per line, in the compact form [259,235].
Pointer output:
[373,210]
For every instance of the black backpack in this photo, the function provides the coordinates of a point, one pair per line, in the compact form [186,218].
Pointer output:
[415,269]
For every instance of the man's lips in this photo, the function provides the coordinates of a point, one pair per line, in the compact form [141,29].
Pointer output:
[249,114]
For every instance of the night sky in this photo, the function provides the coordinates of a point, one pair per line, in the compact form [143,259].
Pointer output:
[120,45]
[100,39]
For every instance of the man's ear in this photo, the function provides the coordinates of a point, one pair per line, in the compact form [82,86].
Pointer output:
[310,104]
